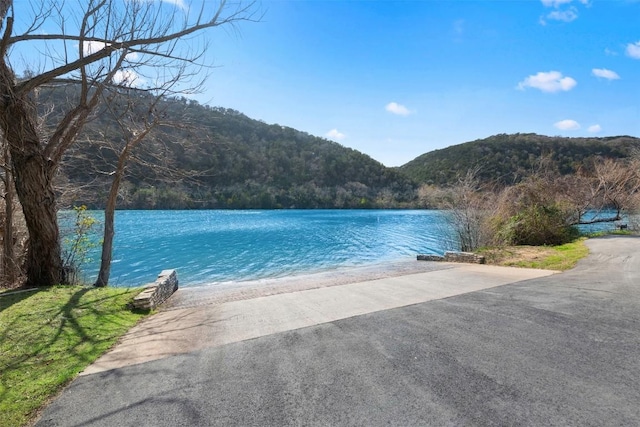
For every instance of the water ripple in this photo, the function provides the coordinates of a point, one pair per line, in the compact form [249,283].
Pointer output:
[213,247]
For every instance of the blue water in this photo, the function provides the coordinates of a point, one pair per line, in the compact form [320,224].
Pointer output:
[213,247]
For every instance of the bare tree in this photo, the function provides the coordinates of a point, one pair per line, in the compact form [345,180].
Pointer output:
[134,129]
[616,187]
[546,207]
[98,44]
[601,191]
[135,126]
[469,209]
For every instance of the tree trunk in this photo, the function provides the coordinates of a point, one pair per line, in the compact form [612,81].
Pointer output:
[109,230]
[110,208]
[33,177]
[9,257]
[34,188]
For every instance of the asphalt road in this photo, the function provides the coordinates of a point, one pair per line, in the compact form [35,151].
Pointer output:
[559,350]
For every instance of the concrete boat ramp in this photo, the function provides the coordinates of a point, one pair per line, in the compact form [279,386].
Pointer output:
[210,324]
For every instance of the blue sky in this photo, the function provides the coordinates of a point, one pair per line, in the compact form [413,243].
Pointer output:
[396,79]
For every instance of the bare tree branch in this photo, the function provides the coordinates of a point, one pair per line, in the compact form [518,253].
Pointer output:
[108,35]
[113,45]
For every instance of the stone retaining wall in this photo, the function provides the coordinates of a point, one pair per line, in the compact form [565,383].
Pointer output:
[157,292]
[430,258]
[466,257]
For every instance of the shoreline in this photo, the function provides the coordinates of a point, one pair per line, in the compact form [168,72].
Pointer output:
[193,296]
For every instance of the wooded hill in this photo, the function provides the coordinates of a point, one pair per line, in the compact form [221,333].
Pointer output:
[205,157]
[507,159]
[218,158]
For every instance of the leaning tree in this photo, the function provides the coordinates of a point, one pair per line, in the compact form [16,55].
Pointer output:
[96,45]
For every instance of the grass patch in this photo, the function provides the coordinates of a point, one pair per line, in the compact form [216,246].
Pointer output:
[610,233]
[561,258]
[48,336]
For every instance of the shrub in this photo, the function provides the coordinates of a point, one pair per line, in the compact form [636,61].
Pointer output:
[538,225]
[78,242]
[469,208]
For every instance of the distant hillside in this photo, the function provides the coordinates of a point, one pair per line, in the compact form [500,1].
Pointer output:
[220,158]
[508,158]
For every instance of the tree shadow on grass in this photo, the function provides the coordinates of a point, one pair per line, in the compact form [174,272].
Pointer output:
[56,340]
[11,297]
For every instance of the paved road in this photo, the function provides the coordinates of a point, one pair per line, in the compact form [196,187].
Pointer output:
[555,350]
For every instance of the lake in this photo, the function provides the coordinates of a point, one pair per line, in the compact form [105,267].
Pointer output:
[221,247]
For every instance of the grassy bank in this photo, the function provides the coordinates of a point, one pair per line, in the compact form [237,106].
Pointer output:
[48,336]
[559,258]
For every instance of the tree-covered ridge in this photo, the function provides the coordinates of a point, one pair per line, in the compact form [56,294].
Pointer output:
[220,158]
[213,157]
[507,159]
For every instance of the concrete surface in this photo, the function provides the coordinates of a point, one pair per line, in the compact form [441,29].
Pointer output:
[559,349]
[181,330]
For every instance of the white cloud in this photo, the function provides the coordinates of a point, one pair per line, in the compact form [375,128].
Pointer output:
[633,50]
[335,134]
[551,81]
[89,47]
[605,74]
[395,108]
[564,11]
[563,15]
[132,56]
[594,128]
[178,3]
[559,3]
[567,125]
[555,3]
[128,78]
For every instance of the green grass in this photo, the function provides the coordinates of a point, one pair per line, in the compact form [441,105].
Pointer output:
[610,233]
[48,336]
[560,258]
[564,257]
